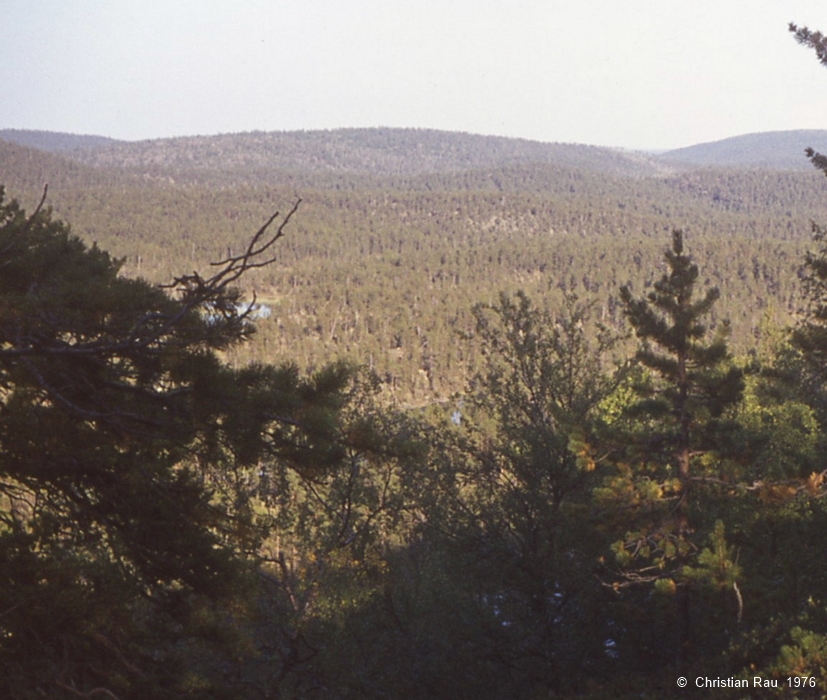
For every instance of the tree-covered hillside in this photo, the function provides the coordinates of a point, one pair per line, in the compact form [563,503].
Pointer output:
[775,149]
[373,151]
[590,517]
[31,168]
[54,141]
[399,233]
[376,414]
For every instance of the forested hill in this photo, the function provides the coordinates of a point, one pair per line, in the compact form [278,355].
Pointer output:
[775,149]
[53,140]
[401,232]
[405,152]
[27,167]
[384,152]
[486,440]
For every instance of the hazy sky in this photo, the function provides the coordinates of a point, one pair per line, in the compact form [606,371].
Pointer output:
[631,73]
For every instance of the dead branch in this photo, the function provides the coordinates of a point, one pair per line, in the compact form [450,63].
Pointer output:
[34,214]
[197,290]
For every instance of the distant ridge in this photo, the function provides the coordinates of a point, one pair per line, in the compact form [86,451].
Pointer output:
[54,141]
[773,149]
[381,152]
[375,151]
[28,168]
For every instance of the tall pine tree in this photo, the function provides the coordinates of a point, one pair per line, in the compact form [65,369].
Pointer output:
[673,426]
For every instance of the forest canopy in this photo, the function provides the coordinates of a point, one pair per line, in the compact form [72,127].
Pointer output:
[387,259]
[593,514]
[496,420]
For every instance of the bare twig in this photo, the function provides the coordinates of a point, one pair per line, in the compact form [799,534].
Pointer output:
[153,327]
[90,694]
[34,214]
[740,600]
[199,289]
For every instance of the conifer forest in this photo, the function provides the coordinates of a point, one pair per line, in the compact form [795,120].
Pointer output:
[385,413]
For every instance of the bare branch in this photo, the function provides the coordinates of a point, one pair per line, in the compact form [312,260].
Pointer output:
[151,328]
[91,694]
[197,290]
[34,214]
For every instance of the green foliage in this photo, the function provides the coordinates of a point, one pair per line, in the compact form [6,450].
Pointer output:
[696,383]
[666,444]
[330,509]
[783,434]
[805,655]
[181,518]
[384,264]
[121,557]
[510,500]
[681,402]
[104,537]
[716,563]
[810,334]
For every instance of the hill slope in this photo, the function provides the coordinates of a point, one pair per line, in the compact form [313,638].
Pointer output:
[54,141]
[398,152]
[26,168]
[400,232]
[408,152]
[775,149]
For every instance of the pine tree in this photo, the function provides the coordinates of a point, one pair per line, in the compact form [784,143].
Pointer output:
[122,560]
[676,423]
[513,498]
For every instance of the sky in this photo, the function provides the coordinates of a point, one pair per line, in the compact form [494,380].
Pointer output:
[641,74]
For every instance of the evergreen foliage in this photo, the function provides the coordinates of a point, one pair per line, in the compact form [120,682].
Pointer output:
[509,501]
[812,39]
[445,490]
[387,259]
[676,424]
[569,525]
[124,570]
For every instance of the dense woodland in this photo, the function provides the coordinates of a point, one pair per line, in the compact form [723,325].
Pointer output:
[521,420]
[399,234]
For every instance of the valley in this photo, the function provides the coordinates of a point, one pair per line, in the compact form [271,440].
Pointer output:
[400,232]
